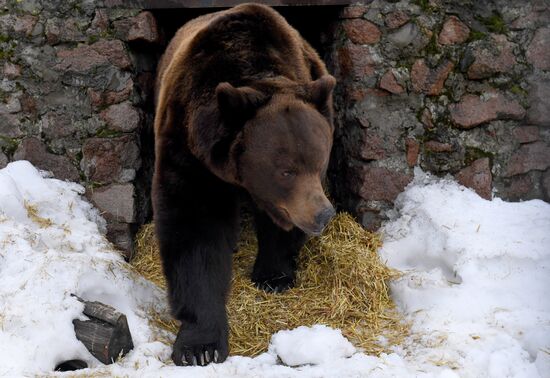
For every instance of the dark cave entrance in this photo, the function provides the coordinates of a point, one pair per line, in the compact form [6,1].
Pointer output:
[313,22]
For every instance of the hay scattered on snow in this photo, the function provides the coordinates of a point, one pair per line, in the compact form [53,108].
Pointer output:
[32,213]
[341,283]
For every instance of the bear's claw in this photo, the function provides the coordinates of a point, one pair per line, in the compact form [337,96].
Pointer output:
[199,346]
[193,356]
[275,284]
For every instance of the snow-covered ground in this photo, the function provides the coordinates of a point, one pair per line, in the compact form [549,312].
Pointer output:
[475,289]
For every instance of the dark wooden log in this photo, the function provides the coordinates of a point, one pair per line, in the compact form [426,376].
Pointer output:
[106,334]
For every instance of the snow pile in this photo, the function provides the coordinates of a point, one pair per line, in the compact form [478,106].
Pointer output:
[310,345]
[477,279]
[51,246]
[476,275]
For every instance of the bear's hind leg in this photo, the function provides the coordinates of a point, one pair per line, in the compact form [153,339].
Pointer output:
[275,266]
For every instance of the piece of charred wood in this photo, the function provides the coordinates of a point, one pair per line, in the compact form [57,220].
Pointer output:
[106,334]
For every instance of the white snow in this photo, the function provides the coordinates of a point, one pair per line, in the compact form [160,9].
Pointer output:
[475,277]
[43,262]
[310,345]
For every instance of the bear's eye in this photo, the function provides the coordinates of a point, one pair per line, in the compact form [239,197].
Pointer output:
[288,173]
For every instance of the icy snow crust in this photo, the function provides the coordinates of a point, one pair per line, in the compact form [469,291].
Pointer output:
[475,277]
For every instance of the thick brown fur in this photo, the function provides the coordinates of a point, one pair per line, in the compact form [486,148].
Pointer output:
[243,105]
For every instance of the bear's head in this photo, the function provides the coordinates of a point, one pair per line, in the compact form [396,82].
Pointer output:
[281,149]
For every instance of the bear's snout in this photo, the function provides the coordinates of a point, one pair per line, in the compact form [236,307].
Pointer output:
[308,208]
[322,218]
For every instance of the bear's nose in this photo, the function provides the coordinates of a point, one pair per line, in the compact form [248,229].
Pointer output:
[323,217]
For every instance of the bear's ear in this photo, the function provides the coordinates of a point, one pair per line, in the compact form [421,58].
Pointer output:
[319,92]
[238,104]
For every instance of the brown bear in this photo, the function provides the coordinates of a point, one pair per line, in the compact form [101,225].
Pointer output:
[243,110]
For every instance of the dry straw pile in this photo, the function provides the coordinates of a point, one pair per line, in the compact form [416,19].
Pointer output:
[341,283]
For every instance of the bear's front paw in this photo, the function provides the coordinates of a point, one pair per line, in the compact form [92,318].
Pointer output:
[194,346]
[274,284]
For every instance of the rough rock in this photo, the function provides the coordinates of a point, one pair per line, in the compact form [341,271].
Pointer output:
[3,160]
[35,151]
[517,187]
[478,177]
[57,125]
[115,202]
[427,119]
[115,52]
[121,117]
[362,32]
[356,93]
[121,235]
[12,105]
[532,156]
[353,11]
[372,146]
[10,126]
[28,105]
[429,81]
[85,58]
[12,71]
[405,34]
[63,30]
[474,110]
[435,146]
[532,19]
[413,149]
[491,57]
[24,24]
[357,61]
[143,28]
[453,32]
[61,65]
[107,160]
[396,19]
[100,99]
[539,101]
[81,59]
[381,184]
[100,23]
[526,134]
[538,52]
[389,83]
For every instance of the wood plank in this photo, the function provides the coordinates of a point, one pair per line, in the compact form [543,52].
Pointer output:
[170,4]
[100,311]
[96,337]
[106,334]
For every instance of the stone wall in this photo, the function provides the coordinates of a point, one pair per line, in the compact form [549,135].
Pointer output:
[455,87]
[458,87]
[75,99]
